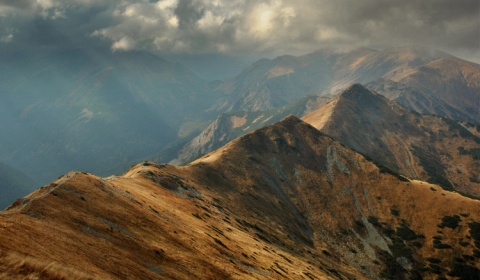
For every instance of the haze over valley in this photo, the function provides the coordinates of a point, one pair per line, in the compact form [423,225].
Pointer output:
[191,139]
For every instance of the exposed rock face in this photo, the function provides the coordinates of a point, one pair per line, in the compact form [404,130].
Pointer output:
[285,201]
[428,148]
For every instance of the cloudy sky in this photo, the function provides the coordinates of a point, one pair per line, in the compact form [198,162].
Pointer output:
[244,27]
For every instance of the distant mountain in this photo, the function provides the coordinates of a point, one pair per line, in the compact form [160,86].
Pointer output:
[229,126]
[93,110]
[446,87]
[274,83]
[427,148]
[85,109]
[282,202]
[428,83]
[13,184]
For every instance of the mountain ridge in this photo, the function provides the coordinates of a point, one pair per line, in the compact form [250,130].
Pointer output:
[419,147]
[447,87]
[228,126]
[270,83]
[284,201]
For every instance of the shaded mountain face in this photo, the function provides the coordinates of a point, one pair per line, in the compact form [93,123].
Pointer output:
[229,126]
[428,148]
[445,87]
[275,83]
[13,185]
[91,109]
[283,202]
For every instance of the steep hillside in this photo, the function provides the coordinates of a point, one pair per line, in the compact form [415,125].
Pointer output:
[428,148]
[229,126]
[93,110]
[13,184]
[446,87]
[283,202]
[274,83]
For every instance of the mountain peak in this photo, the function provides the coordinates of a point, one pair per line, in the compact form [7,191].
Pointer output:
[355,88]
[266,139]
[406,142]
[278,201]
[354,101]
[289,120]
[289,125]
[357,92]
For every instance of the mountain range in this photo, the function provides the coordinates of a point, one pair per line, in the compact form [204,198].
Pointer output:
[373,182]
[423,147]
[285,202]
[423,81]
[54,103]
[446,87]
[438,76]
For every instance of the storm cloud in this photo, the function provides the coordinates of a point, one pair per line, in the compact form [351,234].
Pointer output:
[253,27]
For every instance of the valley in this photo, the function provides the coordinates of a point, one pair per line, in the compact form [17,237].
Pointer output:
[375,181]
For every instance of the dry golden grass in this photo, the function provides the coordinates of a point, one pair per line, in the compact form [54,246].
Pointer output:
[284,202]
[238,121]
[318,118]
[18,266]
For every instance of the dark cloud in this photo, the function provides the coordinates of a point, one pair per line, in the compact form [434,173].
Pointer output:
[248,26]
[188,13]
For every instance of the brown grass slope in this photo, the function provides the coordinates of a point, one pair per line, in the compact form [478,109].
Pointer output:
[427,148]
[283,202]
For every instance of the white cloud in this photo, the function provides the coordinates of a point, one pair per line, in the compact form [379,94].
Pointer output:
[173,21]
[166,4]
[124,44]
[261,20]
